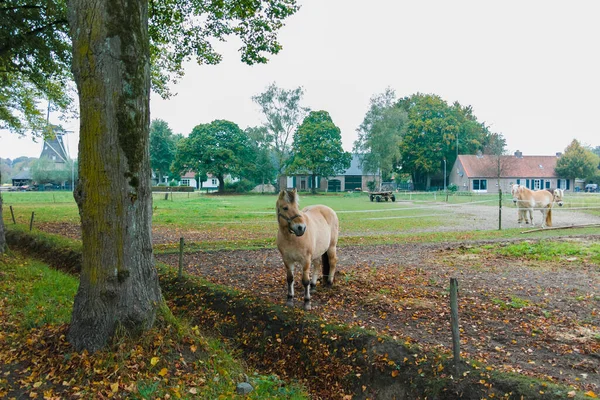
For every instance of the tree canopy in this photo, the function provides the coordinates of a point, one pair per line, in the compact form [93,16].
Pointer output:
[283,113]
[577,162]
[437,131]
[380,135]
[317,148]
[35,63]
[262,170]
[163,146]
[35,48]
[220,148]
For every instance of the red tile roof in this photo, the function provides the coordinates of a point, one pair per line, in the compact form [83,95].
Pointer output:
[486,166]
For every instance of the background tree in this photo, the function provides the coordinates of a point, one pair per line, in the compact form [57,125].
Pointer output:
[45,171]
[35,63]
[220,148]
[433,133]
[495,146]
[283,112]
[263,168]
[380,135]
[317,148]
[111,65]
[163,146]
[576,162]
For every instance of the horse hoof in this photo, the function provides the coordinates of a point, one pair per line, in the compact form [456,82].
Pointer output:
[313,288]
[307,306]
[289,303]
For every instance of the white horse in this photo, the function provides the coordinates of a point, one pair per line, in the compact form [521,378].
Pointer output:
[522,211]
[542,200]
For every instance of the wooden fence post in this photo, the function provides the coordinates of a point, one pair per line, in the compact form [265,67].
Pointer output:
[179,275]
[12,213]
[31,222]
[454,324]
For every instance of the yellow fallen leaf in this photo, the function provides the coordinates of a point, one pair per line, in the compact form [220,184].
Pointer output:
[37,384]
[163,372]
[395,373]
[193,348]
[571,394]
[591,394]
[114,387]
[193,391]
[154,361]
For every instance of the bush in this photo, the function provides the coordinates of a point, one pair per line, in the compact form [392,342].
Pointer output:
[242,186]
[173,183]
[371,186]
[453,187]
[173,189]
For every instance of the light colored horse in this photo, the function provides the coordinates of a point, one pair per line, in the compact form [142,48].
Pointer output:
[522,212]
[542,200]
[306,236]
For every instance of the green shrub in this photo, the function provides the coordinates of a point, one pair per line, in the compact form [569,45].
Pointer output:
[241,186]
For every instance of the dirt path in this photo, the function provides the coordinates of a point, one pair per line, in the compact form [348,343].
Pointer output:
[516,315]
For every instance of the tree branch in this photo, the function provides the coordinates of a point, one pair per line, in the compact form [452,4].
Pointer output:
[22,37]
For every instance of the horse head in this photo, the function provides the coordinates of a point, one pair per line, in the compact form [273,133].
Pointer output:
[288,214]
[558,196]
[515,190]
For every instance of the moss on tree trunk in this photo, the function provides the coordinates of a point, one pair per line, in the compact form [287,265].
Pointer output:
[118,282]
[2,234]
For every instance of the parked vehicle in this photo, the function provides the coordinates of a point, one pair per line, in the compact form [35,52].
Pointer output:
[591,188]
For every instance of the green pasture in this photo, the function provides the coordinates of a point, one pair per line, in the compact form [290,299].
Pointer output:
[249,221]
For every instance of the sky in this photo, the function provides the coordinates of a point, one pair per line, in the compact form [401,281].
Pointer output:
[530,69]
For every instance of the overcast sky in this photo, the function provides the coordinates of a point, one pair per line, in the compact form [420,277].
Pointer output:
[530,69]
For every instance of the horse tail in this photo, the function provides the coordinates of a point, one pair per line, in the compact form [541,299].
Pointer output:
[549,217]
[326,266]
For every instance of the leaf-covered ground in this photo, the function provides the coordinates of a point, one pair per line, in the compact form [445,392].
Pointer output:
[538,318]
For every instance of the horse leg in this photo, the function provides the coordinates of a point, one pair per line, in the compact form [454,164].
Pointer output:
[290,284]
[306,284]
[316,266]
[549,216]
[520,214]
[332,262]
[543,211]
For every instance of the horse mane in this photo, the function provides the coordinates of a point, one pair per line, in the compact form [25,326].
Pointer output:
[290,196]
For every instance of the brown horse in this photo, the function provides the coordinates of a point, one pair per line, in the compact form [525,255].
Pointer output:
[542,200]
[306,236]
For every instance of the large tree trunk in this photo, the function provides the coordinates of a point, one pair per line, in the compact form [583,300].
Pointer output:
[221,179]
[2,236]
[118,282]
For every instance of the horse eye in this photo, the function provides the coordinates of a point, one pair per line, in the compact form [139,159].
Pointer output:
[285,208]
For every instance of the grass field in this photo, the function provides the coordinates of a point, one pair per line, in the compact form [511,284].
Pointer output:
[248,221]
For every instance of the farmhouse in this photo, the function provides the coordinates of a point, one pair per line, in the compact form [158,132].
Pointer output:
[481,173]
[354,178]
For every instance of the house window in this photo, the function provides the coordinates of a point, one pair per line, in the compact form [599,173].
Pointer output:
[480,184]
[214,181]
[536,184]
[185,182]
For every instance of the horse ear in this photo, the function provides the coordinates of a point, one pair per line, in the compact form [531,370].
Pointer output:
[281,194]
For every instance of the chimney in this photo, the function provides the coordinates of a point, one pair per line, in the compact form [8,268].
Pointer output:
[558,154]
[518,154]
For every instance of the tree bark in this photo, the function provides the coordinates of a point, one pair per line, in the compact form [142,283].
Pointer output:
[221,179]
[2,235]
[118,283]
